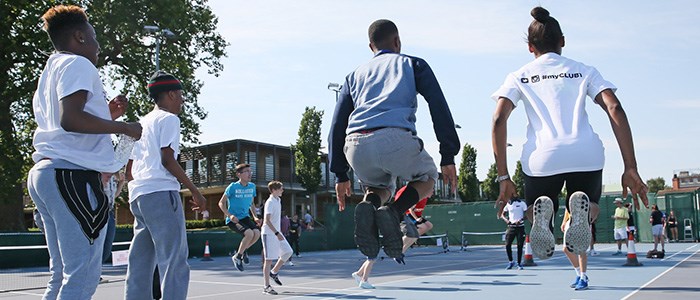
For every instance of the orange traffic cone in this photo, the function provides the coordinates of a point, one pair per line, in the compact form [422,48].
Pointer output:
[207,256]
[631,252]
[528,253]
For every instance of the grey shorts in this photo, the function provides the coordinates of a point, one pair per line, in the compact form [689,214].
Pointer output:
[380,157]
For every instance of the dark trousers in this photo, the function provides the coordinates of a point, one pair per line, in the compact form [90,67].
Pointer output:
[511,234]
[294,242]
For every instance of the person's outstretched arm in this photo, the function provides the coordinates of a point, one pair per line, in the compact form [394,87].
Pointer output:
[621,127]
[443,124]
[499,136]
[336,142]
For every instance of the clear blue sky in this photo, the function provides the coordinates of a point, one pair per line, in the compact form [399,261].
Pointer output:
[282,55]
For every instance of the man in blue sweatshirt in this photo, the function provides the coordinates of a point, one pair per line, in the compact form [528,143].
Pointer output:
[374,133]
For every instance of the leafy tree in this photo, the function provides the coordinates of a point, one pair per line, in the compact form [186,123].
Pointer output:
[519,180]
[467,183]
[306,151]
[125,63]
[490,187]
[657,184]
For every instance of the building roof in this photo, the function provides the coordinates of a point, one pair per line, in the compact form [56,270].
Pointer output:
[678,191]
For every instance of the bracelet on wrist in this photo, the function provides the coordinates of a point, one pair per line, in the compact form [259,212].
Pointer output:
[502,178]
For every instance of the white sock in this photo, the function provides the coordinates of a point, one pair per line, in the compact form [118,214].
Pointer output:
[578,271]
[584,276]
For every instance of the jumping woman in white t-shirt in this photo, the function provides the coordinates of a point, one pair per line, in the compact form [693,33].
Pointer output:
[561,146]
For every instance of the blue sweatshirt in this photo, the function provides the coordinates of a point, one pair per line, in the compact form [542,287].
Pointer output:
[382,93]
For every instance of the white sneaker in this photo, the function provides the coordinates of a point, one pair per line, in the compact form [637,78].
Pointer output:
[592,252]
[577,238]
[366,285]
[291,263]
[357,278]
[541,237]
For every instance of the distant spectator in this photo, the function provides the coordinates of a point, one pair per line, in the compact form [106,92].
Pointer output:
[295,233]
[620,226]
[630,222]
[658,222]
[673,226]
[309,221]
[284,224]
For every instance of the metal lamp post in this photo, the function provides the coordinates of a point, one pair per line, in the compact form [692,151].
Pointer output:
[158,34]
[336,87]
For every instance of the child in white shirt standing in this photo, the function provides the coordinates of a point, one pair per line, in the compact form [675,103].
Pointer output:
[275,246]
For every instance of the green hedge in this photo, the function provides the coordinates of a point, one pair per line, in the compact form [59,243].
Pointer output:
[189,224]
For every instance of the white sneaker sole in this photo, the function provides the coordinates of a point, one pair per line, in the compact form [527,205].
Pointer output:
[541,236]
[577,238]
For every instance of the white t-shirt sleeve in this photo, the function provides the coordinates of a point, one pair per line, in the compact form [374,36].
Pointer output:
[81,78]
[268,207]
[509,90]
[170,133]
[598,84]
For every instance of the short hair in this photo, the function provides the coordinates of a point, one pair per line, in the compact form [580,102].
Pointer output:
[544,32]
[240,167]
[61,20]
[274,185]
[381,30]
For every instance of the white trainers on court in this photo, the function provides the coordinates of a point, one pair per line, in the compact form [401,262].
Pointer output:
[357,278]
[578,237]
[366,285]
[541,234]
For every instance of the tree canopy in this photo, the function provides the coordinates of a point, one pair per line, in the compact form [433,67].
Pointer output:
[519,180]
[656,184]
[306,150]
[490,187]
[126,62]
[467,182]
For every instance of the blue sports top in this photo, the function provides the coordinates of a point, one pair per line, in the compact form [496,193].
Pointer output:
[239,199]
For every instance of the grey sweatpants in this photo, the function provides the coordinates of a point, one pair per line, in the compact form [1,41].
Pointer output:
[76,260]
[159,237]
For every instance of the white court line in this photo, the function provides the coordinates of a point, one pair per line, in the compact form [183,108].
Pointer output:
[679,252]
[662,274]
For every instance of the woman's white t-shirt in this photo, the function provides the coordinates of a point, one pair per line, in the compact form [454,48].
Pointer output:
[64,75]
[160,129]
[560,138]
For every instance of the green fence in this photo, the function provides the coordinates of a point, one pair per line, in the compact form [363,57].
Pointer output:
[453,219]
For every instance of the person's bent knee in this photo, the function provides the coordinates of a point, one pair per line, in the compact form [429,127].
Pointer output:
[428,226]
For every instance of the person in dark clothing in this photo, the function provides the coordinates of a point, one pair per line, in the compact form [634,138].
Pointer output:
[658,222]
[294,234]
[673,226]
[630,221]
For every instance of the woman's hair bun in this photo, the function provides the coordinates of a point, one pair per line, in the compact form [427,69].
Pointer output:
[540,14]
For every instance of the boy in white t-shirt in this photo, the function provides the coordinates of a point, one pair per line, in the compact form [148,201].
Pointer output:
[72,147]
[561,146]
[154,197]
[275,246]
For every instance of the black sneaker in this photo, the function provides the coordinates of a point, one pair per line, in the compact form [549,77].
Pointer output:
[388,223]
[276,278]
[366,234]
[238,262]
[245,258]
[269,291]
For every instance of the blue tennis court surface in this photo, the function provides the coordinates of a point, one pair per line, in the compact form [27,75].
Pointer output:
[477,273]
